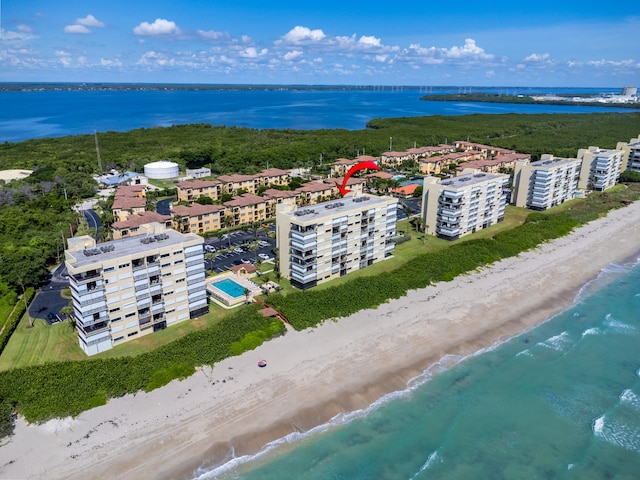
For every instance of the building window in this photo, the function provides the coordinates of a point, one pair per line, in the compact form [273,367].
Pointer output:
[124,265]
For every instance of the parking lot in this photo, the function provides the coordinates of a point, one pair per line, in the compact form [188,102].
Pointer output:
[233,249]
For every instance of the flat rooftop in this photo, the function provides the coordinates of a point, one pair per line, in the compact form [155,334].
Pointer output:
[553,162]
[139,245]
[470,179]
[339,207]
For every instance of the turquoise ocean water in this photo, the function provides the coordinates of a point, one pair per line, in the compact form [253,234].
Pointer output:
[559,401]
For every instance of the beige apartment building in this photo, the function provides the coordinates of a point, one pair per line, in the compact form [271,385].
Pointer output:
[129,200]
[197,218]
[247,208]
[132,226]
[462,205]
[127,288]
[600,168]
[630,154]
[331,239]
[545,183]
[191,190]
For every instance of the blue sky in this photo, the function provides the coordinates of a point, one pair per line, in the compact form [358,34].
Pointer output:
[559,43]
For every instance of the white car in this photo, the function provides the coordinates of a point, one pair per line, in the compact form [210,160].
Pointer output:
[238,250]
[263,256]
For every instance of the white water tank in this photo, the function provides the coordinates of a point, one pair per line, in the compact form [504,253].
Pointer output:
[162,169]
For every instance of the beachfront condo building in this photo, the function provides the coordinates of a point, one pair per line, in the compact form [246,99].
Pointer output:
[545,183]
[328,240]
[630,154]
[462,205]
[127,288]
[600,168]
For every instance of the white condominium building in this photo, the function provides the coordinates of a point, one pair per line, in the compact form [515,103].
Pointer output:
[127,288]
[331,239]
[630,154]
[462,205]
[600,168]
[545,183]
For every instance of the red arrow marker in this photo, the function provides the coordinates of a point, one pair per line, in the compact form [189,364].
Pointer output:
[358,166]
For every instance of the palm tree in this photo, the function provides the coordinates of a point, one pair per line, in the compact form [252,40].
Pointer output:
[246,294]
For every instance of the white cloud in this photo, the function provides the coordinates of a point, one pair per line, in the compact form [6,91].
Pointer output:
[76,29]
[251,52]
[301,35]
[292,55]
[159,27]
[470,49]
[369,41]
[63,57]
[110,63]
[537,57]
[22,33]
[82,24]
[213,35]
[381,58]
[89,21]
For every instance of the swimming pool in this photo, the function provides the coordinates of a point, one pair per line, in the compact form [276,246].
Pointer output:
[230,287]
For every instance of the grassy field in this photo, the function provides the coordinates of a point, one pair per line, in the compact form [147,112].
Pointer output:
[44,343]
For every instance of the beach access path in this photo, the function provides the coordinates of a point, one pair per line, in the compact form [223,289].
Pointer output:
[316,374]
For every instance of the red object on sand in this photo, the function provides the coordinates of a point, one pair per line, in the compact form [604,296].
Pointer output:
[262,363]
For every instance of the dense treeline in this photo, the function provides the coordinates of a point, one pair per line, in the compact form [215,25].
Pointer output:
[308,308]
[67,388]
[34,211]
[245,150]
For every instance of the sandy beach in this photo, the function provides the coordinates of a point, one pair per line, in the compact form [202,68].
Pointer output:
[316,374]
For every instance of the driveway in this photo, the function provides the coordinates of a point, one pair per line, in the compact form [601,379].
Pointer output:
[48,300]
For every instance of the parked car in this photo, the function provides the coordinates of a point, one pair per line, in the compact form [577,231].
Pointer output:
[238,250]
[264,256]
[209,248]
[262,243]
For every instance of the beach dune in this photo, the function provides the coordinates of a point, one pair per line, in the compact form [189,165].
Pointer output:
[235,408]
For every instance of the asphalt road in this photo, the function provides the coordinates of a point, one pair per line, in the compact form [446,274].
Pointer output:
[48,300]
[162,206]
[93,219]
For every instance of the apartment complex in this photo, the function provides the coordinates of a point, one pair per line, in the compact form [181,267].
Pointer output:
[600,168]
[545,183]
[630,154]
[197,218]
[331,239]
[127,288]
[462,205]
[129,200]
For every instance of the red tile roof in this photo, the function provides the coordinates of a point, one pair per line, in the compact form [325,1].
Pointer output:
[141,219]
[195,209]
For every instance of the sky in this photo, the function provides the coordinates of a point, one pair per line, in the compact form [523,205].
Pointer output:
[348,42]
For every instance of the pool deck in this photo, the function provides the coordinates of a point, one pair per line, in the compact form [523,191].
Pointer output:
[225,300]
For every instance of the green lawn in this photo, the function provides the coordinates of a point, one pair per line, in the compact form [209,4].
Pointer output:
[44,343]
[40,344]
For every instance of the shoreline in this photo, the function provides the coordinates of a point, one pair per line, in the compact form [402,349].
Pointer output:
[314,375]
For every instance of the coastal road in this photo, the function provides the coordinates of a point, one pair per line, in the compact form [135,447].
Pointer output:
[93,220]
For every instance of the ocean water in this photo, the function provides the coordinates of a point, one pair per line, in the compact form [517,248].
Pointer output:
[559,401]
[35,113]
